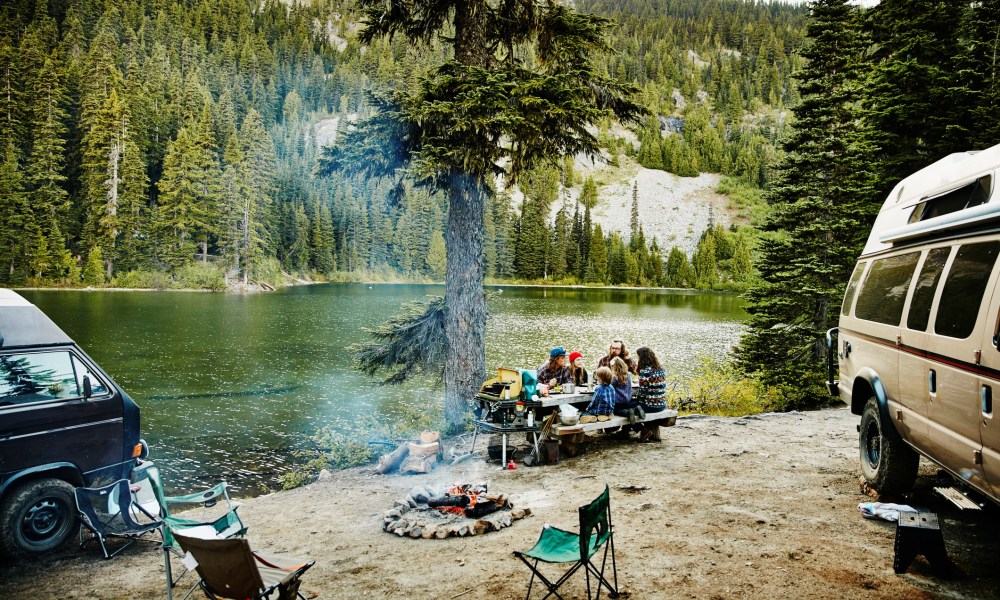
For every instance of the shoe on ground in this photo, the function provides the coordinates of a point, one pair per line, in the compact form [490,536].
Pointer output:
[603,417]
[588,418]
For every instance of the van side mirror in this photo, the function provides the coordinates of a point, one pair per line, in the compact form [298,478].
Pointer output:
[88,390]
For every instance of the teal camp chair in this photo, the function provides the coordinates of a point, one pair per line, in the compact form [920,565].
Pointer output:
[558,546]
[221,527]
[110,511]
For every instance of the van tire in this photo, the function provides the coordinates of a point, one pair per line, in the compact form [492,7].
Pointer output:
[888,464]
[36,517]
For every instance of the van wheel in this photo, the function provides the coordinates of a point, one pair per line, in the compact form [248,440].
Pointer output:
[887,463]
[37,517]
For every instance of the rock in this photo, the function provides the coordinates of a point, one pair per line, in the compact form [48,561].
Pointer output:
[416,532]
[517,513]
[431,532]
[481,526]
[393,513]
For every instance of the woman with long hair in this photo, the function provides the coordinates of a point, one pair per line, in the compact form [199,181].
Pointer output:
[652,389]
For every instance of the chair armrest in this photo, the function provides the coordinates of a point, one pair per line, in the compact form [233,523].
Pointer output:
[206,497]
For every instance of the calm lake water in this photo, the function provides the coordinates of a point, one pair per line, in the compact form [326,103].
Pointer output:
[230,384]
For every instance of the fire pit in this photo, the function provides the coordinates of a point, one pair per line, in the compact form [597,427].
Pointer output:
[446,511]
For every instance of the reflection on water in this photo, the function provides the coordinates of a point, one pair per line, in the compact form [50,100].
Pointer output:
[231,384]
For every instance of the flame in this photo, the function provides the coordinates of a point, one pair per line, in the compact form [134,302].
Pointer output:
[458,491]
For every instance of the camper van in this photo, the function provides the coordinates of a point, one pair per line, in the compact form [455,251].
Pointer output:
[918,342]
[64,423]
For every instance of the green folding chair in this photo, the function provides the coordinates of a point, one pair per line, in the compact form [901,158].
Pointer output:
[150,495]
[555,545]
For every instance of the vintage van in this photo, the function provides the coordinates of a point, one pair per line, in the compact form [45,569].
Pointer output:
[64,423]
[918,341]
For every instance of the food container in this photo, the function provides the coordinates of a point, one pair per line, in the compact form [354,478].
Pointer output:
[568,388]
[569,419]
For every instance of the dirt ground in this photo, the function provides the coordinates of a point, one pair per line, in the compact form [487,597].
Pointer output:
[753,507]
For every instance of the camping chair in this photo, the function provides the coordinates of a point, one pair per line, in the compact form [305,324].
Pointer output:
[230,569]
[558,546]
[149,494]
[110,511]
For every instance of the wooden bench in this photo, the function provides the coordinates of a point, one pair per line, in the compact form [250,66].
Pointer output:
[664,418]
[571,436]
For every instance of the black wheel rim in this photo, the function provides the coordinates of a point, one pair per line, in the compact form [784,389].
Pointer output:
[43,520]
[873,445]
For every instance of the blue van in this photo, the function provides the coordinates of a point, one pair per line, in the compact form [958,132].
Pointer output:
[64,423]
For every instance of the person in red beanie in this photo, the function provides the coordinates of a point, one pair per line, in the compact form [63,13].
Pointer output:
[577,372]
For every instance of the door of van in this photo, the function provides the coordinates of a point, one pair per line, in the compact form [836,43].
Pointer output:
[955,345]
[917,371]
[45,418]
[870,337]
[989,394]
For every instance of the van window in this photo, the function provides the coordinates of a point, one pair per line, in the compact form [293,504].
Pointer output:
[923,293]
[852,288]
[43,376]
[884,291]
[973,194]
[964,288]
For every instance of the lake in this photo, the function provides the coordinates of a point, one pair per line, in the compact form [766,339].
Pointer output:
[231,384]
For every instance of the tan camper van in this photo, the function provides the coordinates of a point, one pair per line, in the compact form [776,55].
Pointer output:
[919,338]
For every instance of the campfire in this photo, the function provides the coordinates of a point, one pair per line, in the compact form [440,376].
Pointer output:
[459,510]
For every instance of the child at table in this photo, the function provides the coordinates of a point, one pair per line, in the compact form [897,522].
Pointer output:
[602,406]
[625,405]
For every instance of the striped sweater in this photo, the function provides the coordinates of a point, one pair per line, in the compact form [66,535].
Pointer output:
[652,389]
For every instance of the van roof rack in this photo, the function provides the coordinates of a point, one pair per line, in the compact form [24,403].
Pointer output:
[957,192]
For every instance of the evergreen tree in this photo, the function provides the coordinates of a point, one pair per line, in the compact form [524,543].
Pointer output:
[185,199]
[913,114]
[588,195]
[634,221]
[44,171]
[597,258]
[617,262]
[705,263]
[436,259]
[15,212]
[820,218]
[678,271]
[979,74]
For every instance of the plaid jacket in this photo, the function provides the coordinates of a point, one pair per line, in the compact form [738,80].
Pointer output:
[603,402]
[561,375]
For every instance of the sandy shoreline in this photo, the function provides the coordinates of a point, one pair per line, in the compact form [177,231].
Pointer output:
[754,507]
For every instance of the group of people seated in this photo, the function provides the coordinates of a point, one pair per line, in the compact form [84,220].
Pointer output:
[613,393]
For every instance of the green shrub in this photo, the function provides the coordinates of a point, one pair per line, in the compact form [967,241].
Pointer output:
[202,276]
[719,388]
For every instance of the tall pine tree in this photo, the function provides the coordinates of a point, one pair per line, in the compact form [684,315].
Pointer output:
[820,217]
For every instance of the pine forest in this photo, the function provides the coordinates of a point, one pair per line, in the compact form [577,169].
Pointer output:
[176,143]
[158,143]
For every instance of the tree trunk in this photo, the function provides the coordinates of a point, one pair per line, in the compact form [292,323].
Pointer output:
[465,320]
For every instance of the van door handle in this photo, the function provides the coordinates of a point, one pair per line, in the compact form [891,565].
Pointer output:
[932,381]
[987,400]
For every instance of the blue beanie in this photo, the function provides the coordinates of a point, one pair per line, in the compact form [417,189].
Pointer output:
[557,352]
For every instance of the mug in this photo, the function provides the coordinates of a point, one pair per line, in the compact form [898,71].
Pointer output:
[568,388]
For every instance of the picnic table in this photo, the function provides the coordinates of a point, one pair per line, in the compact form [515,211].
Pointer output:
[507,416]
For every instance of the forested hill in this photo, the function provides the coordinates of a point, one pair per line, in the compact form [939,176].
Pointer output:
[173,142]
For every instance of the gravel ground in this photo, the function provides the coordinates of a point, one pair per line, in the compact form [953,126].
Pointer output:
[754,507]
